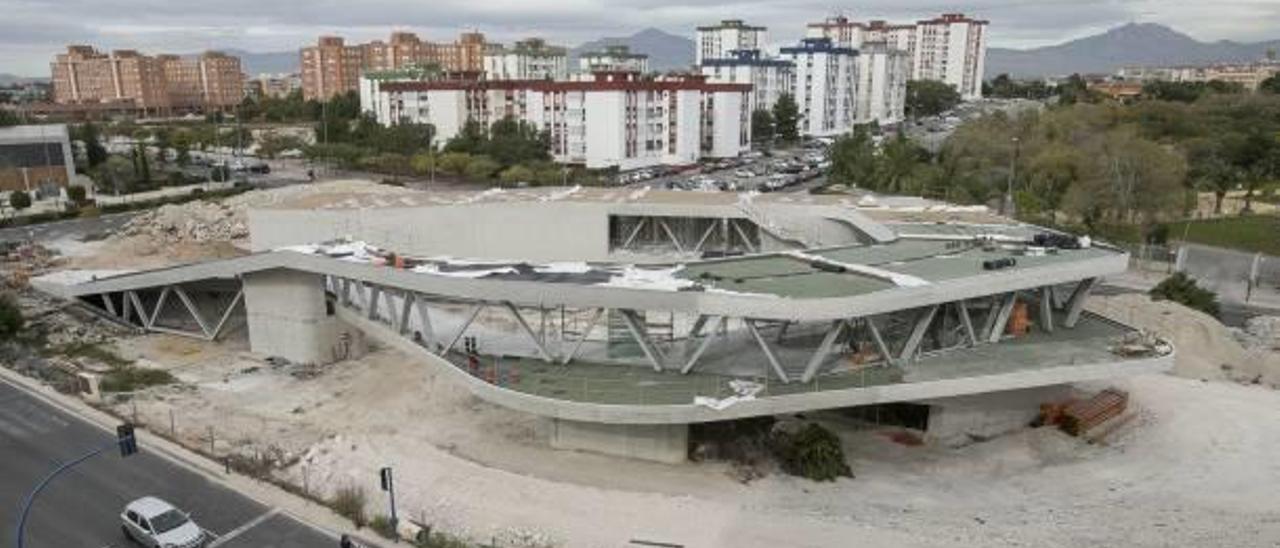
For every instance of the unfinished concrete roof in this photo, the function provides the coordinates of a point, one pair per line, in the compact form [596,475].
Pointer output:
[881,208]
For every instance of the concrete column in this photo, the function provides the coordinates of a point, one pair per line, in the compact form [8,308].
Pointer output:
[288,318]
[962,420]
[667,443]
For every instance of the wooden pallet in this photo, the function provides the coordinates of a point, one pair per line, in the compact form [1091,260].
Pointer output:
[1082,416]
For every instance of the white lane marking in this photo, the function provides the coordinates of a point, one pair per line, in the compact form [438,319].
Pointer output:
[241,529]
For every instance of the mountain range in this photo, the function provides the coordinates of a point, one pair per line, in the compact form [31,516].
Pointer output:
[1130,44]
[666,51]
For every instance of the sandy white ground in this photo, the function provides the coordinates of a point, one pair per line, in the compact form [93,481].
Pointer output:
[1198,468]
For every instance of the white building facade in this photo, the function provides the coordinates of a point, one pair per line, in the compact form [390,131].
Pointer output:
[613,59]
[881,89]
[951,48]
[769,78]
[616,119]
[530,59]
[720,41]
[825,82]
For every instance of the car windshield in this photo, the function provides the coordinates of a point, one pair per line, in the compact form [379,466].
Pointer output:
[168,521]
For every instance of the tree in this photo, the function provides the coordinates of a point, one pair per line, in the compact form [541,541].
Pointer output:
[142,166]
[116,175]
[762,126]
[1075,90]
[454,162]
[19,200]
[272,144]
[1185,92]
[11,320]
[898,166]
[1256,153]
[472,139]
[8,118]
[482,168]
[95,153]
[1270,85]
[853,160]
[786,119]
[1129,179]
[77,195]
[930,98]
[1210,169]
[424,163]
[515,175]
[512,141]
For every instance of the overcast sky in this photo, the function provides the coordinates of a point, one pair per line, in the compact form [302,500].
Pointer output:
[32,31]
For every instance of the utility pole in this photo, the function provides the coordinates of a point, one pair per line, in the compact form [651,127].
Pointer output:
[388,485]
[1006,208]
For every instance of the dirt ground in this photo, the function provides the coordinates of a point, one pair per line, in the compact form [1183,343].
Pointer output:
[1197,466]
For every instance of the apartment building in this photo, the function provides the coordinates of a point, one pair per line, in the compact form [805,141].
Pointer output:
[881,88]
[613,59]
[332,67]
[161,84]
[530,59]
[951,48]
[617,119]
[825,85]
[769,78]
[1248,75]
[720,41]
[852,34]
[273,85]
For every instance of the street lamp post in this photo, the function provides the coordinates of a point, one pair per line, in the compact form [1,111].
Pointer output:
[1007,208]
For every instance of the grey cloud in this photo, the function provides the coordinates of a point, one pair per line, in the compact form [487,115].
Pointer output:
[185,25]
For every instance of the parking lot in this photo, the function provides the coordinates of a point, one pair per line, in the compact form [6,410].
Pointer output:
[770,171]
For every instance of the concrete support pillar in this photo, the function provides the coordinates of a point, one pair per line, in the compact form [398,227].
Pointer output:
[962,420]
[667,443]
[288,318]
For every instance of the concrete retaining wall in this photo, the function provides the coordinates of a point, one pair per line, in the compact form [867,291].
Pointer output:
[966,419]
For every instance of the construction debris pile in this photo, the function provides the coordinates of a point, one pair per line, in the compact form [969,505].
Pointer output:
[202,221]
[1261,333]
[1139,344]
[198,221]
[1205,349]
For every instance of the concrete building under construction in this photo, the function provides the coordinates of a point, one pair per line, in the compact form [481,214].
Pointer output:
[624,316]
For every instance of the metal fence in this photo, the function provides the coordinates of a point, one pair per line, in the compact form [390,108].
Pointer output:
[1238,276]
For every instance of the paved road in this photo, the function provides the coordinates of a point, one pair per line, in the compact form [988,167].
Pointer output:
[81,508]
[80,227]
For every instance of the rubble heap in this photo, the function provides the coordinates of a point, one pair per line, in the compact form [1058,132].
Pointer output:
[198,221]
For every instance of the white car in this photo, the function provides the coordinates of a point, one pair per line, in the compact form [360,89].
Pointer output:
[155,523]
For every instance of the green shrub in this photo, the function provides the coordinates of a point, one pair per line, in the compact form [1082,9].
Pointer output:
[19,200]
[129,378]
[91,351]
[77,195]
[349,503]
[11,320]
[429,539]
[813,452]
[1181,288]
[382,526]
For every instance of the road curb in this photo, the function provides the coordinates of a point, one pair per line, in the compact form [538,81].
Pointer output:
[309,513]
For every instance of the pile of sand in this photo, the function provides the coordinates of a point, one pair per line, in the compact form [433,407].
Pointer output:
[1205,348]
